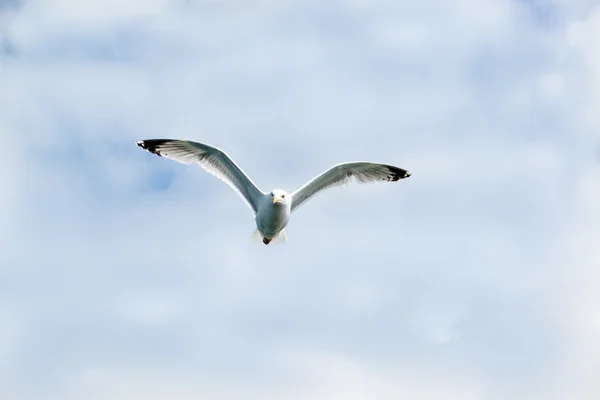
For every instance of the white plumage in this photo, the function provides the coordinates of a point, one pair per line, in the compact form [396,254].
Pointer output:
[271,209]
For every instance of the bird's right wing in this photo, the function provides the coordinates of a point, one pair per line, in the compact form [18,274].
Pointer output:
[362,171]
[212,160]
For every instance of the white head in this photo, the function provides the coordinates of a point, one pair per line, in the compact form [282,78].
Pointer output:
[280,197]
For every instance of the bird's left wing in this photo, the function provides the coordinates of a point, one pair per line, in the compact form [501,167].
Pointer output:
[340,174]
[212,160]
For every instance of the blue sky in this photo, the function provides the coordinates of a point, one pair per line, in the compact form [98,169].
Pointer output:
[126,276]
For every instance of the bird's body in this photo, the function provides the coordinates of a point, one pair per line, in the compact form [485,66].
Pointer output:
[272,210]
[273,214]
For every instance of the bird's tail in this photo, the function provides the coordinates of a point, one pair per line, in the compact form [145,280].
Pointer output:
[256,236]
[280,238]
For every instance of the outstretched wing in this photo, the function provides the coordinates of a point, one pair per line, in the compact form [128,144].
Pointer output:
[210,159]
[340,174]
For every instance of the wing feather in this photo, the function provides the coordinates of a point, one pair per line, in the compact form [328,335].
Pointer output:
[340,174]
[212,160]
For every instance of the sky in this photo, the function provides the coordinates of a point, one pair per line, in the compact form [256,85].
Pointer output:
[125,276]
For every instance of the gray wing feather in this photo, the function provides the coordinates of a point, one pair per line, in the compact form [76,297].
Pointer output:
[212,160]
[340,174]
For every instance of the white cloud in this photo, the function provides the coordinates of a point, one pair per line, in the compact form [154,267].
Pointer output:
[580,34]
[9,178]
[67,11]
[551,85]
[324,376]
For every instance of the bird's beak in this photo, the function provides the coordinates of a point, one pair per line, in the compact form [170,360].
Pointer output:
[276,200]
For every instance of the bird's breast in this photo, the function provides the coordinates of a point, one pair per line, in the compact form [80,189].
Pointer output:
[272,219]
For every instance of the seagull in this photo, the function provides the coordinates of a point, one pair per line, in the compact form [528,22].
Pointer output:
[272,209]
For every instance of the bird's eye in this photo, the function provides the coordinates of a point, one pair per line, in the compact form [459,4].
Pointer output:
[282,196]
[272,195]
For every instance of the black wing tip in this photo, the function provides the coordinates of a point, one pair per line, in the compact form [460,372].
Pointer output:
[398,173]
[152,145]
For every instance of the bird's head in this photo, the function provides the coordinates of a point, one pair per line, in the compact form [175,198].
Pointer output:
[280,197]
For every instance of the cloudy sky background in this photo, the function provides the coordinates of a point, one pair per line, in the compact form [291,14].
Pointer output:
[125,276]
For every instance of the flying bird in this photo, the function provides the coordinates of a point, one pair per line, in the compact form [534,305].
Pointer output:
[272,209]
